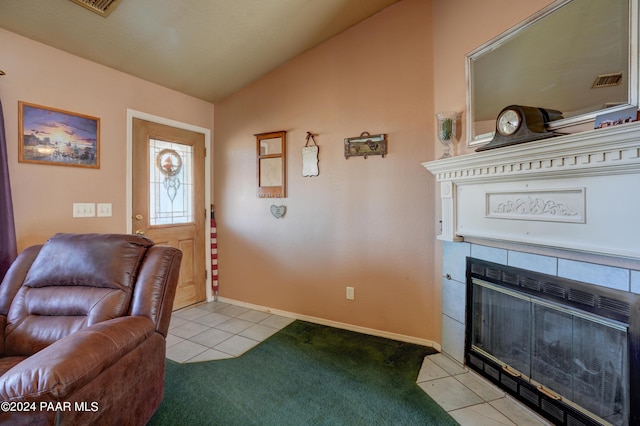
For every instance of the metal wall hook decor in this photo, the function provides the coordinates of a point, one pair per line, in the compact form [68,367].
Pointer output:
[310,157]
[311,136]
[365,145]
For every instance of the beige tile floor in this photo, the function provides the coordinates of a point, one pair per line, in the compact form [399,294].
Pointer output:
[469,398]
[218,330]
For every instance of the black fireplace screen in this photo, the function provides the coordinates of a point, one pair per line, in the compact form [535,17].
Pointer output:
[576,355]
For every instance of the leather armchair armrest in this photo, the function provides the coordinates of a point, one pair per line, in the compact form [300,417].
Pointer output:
[73,361]
[11,283]
[15,277]
[156,286]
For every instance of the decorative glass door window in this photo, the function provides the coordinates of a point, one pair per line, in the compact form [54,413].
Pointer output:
[171,183]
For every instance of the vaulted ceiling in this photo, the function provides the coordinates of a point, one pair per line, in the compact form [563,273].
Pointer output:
[204,48]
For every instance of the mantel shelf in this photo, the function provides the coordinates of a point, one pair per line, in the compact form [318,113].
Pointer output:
[575,191]
[611,150]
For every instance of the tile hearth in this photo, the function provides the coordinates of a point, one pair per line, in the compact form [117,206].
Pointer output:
[217,330]
[469,398]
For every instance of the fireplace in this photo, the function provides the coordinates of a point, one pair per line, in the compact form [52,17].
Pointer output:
[566,207]
[567,349]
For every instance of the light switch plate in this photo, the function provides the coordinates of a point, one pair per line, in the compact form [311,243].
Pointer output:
[84,209]
[104,209]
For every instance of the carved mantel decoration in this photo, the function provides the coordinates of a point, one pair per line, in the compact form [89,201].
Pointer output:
[560,205]
[578,192]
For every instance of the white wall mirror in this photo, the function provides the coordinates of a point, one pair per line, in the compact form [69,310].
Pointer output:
[552,60]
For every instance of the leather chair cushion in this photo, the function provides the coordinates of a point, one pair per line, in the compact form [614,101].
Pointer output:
[88,260]
[75,281]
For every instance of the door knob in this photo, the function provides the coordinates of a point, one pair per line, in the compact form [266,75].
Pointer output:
[138,217]
[139,232]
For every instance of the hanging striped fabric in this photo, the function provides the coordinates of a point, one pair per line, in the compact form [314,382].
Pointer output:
[214,255]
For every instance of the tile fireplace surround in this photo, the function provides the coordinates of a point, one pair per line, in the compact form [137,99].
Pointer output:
[568,206]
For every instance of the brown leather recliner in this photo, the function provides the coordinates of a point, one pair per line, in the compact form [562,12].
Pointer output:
[83,321]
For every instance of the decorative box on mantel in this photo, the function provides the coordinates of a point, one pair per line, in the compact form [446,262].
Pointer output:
[579,192]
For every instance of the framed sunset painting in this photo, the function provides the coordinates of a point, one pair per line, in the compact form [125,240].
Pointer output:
[56,137]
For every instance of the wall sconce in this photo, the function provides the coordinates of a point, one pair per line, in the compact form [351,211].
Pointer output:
[447,130]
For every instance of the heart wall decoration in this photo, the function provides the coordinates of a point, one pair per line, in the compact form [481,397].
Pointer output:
[278,211]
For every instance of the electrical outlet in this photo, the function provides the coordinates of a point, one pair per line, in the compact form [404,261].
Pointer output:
[351,293]
[84,209]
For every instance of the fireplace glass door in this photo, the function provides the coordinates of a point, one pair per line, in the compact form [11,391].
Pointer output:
[579,356]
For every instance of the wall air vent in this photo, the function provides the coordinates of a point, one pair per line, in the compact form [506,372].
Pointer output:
[607,80]
[101,7]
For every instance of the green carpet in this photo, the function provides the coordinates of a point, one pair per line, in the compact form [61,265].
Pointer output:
[306,374]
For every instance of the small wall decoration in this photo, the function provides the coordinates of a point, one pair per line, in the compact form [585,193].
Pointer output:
[278,211]
[310,157]
[272,164]
[169,162]
[365,145]
[56,137]
[616,118]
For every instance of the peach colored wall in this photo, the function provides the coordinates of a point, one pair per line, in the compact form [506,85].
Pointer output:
[43,195]
[364,223]
[459,27]
[369,224]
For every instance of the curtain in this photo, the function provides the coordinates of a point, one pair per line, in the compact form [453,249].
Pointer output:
[8,245]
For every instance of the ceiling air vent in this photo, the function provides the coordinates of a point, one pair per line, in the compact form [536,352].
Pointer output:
[101,7]
[607,80]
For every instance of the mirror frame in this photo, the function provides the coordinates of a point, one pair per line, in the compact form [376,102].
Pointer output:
[496,42]
[272,191]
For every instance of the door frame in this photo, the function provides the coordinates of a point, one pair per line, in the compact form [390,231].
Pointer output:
[131,114]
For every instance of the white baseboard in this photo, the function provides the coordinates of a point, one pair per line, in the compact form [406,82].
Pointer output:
[336,324]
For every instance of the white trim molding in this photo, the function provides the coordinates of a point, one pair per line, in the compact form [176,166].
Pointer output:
[336,324]
[578,192]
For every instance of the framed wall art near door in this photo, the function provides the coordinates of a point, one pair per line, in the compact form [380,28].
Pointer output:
[57,137]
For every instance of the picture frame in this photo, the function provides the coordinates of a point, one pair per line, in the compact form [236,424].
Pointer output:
[627,115]
[57,137]
[365,145]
